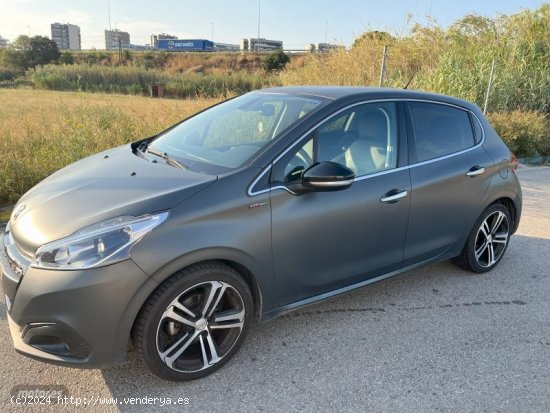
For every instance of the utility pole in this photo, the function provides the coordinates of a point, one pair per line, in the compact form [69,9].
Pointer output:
[259,17]
[326,31]
[489,86]
[212,23]
[383,66]
[119,50]
[109,11]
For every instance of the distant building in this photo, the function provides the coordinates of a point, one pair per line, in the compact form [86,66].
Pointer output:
[310,47]
[113,37]
[66,36]
[226,47]
[137,47]
[261,45]
[186,45]
[3,42]
[327,47]
[162,36]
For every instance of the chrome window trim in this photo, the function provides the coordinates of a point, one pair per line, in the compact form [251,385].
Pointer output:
[251,191]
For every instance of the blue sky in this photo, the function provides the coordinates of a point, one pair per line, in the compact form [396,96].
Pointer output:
[296,22]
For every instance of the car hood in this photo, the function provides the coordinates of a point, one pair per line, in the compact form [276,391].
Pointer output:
[107,185]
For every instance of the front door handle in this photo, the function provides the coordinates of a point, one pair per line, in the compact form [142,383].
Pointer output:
[393,196]
[475,170]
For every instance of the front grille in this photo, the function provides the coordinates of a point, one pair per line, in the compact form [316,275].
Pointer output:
[14,266]
[11,257]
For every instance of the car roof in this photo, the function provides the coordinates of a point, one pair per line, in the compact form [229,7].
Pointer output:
[358,92]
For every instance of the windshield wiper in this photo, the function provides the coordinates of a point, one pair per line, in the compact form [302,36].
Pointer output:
[167,158]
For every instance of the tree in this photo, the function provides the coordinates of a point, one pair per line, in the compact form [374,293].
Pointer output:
[43,51]
[25,52]
[275,61]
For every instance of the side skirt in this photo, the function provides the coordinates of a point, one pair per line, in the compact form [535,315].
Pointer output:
[277,312]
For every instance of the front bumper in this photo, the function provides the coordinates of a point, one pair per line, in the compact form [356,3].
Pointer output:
[74,318]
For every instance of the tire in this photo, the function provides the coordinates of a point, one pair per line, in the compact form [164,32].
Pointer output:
[488,240]
[194,322]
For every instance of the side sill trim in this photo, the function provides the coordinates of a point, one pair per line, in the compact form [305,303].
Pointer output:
[277,312]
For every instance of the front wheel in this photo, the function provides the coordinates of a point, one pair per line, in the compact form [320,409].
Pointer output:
[488,240]
[194,322]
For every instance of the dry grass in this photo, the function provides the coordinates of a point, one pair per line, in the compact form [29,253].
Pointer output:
[42,131]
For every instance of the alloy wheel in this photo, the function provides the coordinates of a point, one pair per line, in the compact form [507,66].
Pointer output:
[200,326]
[491,239]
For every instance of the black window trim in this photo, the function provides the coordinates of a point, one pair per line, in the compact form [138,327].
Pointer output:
[412,163]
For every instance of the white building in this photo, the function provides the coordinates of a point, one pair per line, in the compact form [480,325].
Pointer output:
[260,45]
[327,47]
[66,36]
[114,37]
[3,42]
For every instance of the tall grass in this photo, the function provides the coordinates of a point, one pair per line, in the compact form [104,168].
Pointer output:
[137,81]
[42,131]
[454,61]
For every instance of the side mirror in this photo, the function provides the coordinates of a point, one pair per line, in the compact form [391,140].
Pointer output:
[326,176]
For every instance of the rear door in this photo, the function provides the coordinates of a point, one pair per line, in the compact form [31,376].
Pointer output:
[448,177]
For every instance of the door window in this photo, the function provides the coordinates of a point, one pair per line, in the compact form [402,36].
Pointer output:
[439,130]
[363,138]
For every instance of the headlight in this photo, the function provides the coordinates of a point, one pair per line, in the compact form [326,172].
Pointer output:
[97,245]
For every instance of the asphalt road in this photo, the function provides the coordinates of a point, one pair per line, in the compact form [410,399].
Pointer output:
[433,339]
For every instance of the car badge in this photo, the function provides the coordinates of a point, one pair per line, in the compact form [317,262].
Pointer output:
[18,211]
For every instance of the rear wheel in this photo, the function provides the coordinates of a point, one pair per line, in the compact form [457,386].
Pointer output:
[194,322]
[488,240]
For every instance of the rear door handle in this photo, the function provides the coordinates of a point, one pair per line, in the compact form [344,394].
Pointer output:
[393,196]
[475,170]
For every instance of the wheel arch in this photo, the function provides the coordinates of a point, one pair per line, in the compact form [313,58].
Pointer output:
[134,307]
[512,202]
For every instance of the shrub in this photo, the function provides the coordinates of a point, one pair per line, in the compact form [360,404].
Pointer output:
[526,133]
[66,58]
[8,74]
[276,61]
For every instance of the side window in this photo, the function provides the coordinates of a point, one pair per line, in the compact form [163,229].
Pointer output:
[478,132]
[439,130]
[363,138]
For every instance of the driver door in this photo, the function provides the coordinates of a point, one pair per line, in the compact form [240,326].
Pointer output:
[323,241]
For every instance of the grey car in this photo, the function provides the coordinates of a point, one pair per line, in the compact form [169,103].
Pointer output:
[259,205]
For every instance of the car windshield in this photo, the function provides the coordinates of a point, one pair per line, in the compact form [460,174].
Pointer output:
[226,136]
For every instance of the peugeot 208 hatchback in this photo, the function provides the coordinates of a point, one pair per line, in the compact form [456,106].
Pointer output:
[264,203]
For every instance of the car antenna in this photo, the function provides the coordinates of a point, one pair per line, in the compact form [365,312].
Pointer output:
[410,80]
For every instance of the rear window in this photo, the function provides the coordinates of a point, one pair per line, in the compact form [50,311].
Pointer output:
[439,130]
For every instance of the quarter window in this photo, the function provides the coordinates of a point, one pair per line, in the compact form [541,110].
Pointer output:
[439,130]
[363,138]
